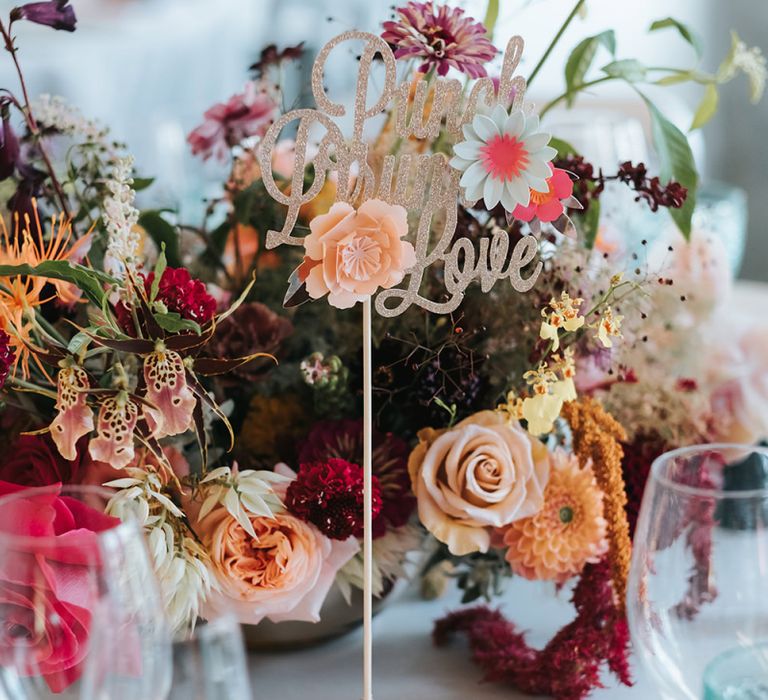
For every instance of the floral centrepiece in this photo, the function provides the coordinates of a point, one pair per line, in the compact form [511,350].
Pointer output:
[138,350]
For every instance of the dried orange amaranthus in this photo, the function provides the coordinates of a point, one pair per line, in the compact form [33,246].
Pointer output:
[596,437]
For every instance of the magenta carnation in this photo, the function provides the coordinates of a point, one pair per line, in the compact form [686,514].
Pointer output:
[330,496]
[443,37]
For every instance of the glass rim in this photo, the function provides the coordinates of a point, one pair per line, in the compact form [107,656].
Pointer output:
[62,489]
[663,459]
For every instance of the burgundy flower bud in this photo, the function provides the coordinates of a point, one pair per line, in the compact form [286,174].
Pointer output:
[58,14]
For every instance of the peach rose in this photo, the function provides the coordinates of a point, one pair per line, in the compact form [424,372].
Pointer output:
[484,473]
[284,574]
[352,253]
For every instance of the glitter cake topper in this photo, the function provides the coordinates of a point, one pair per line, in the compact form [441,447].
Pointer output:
[422,183]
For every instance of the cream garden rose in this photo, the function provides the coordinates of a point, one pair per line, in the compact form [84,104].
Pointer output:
[484,473]
[284,573]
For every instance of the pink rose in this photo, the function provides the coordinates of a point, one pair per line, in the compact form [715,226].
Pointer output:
[283,575]
[484,473]
[47,585]
[350,253]
[228,124]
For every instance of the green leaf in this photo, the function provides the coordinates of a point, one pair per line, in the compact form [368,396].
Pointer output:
[684,30]
[160,266]
[491,16]
[580,60]
[563,148]
[628,69]
[90,281]
[591,223]
[707,107]
[161,233]
[174,323]
[677,163]
[141,183]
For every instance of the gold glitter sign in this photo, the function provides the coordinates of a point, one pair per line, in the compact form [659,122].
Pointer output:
[424,184]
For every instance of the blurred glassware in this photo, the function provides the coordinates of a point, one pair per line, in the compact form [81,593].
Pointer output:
[721,210]
[697,603]
[80,615]
[210,663]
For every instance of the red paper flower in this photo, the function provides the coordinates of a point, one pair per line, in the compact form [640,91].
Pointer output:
[547,206]
[7,357]
[330,496]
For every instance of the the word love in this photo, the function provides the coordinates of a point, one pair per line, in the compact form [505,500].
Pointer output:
[424,183]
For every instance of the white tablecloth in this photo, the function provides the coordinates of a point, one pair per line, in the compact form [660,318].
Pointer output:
[406,664]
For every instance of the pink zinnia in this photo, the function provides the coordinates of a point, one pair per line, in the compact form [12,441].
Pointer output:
[444,37]
[228,124]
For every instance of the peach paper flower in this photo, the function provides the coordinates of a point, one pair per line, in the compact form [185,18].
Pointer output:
[283,574]
[350,253]
[484,473]
[567,533]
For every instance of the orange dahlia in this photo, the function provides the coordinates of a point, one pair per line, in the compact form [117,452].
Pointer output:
[568,532]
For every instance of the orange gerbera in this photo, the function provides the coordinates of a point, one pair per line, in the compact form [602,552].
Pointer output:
[20,295]
[568,532]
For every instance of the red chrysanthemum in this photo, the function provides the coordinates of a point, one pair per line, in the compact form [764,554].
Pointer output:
[442,36]
[180,293]
[330,496]
[343,439]
[7,357]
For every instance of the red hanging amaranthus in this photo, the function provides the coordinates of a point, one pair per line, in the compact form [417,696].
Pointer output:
[568,667]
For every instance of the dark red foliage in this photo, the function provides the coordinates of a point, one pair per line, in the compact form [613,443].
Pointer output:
[7,357]
[330,496]
[568,667]
[589,185]
[673,195]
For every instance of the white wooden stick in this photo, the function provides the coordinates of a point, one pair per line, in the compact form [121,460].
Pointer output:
[367,504]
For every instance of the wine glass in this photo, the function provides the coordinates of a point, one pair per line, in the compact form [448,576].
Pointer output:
[210,663]
[698,586]
[80,614]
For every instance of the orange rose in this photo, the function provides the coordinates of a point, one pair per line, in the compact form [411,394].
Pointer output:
[284,574]
[350,253]
[484,473]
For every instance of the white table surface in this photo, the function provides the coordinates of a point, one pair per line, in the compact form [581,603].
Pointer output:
[406,664]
